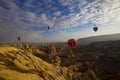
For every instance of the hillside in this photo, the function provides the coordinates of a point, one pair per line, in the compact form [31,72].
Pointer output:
[96,61]
[23,62]
[111,37]
[18,64]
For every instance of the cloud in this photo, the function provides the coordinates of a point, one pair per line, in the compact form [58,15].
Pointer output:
[58,13]
[10,35]
[82,12]
[108,10]
[61,14]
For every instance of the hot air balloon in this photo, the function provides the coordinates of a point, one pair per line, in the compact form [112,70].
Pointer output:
[48,27]
[19,38]
[95,29]
[72,43]
[98,10]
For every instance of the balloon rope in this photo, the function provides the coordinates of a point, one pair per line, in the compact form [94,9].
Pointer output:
[71,52]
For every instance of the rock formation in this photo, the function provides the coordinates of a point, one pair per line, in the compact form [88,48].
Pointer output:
[20,63]
[17,64]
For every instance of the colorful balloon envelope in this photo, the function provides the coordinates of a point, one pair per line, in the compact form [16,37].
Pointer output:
[95,29]
[72,43]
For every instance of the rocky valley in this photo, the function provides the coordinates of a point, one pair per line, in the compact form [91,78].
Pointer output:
[96,61]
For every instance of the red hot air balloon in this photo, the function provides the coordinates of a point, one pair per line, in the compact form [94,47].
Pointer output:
[95,29]
[72,43]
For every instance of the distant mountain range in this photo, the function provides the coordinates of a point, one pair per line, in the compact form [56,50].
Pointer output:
[110,37]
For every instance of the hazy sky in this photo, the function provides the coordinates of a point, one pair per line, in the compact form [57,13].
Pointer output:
[67,19]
